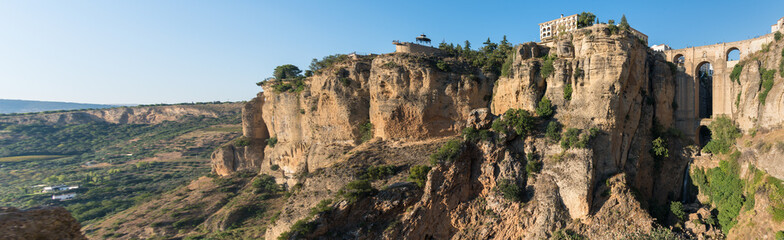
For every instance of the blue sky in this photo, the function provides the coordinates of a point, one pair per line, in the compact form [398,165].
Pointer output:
[120,52]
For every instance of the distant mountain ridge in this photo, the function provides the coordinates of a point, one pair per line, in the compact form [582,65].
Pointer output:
[25,106]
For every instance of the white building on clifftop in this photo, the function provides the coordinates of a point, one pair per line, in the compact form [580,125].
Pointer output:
[552,28]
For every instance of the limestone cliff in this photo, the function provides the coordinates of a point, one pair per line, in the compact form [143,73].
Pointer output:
[605,81]
[748,109]
[247,152]
[394,97]
[617,86]
[38,223]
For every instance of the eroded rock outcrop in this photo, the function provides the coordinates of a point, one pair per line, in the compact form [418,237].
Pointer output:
[748,110]
[607,86]
[38,223]
[393,96]
[617,86]
[412,99]
[247,152]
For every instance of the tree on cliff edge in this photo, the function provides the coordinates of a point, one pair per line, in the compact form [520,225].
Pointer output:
[286,72]
[585,19]
[624,25]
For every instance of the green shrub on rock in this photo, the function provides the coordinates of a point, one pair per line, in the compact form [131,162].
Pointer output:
[510,190]
[356,190]
[553,131]
[659,149]
[418,174]
[723,133]
[545,108]
[272,141]
[378,172]
[570,138]
[519,120]
[365,132]
[472,135]
[735,74]
[676,208]
[448,152]
[533,166]
[547,68]
[767,84]
[266,183]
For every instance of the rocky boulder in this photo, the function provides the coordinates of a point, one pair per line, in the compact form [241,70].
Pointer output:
[38,223]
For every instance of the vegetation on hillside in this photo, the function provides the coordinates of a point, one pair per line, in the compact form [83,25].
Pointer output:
[724,188]
[767,83]
[736,71]
[105,161]
[448,152]
[723,135]
[519,120]
[317,65]
[547,68]
[510,190]
[40,139]
[418,174]
[490,58]
[472,135]
[545,108]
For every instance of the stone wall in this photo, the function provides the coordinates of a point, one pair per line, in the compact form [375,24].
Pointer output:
[407,47]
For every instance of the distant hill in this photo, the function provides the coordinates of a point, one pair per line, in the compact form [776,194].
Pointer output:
[25,106]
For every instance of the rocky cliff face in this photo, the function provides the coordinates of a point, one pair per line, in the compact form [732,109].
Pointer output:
[126,115]
[249,153]
[412,99]
[748,110]
[609,86]
[38,223]
[617,86]
[394,97]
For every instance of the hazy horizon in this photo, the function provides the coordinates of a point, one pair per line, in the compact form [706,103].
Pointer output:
[149,52]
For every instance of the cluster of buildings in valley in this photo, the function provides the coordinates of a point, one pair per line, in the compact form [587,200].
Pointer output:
[60,188]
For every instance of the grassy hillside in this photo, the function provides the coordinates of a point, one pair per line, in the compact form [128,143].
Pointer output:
[116,166]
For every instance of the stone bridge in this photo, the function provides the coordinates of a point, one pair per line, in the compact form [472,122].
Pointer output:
[701,99]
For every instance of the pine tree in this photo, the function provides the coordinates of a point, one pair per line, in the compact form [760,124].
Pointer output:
[624,25]
[504,41]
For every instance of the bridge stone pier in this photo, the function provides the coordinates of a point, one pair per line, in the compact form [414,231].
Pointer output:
[698,104]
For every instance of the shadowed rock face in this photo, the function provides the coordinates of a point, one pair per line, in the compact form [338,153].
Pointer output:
[38,223]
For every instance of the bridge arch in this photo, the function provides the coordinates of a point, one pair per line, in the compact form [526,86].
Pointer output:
[704,135]
[704,77]
[679,59]
[732,54]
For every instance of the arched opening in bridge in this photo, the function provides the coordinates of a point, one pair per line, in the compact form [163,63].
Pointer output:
[705,79]
[733,54]
[705,135]
[679,59]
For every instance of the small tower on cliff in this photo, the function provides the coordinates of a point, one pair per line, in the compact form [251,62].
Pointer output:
[422,39]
